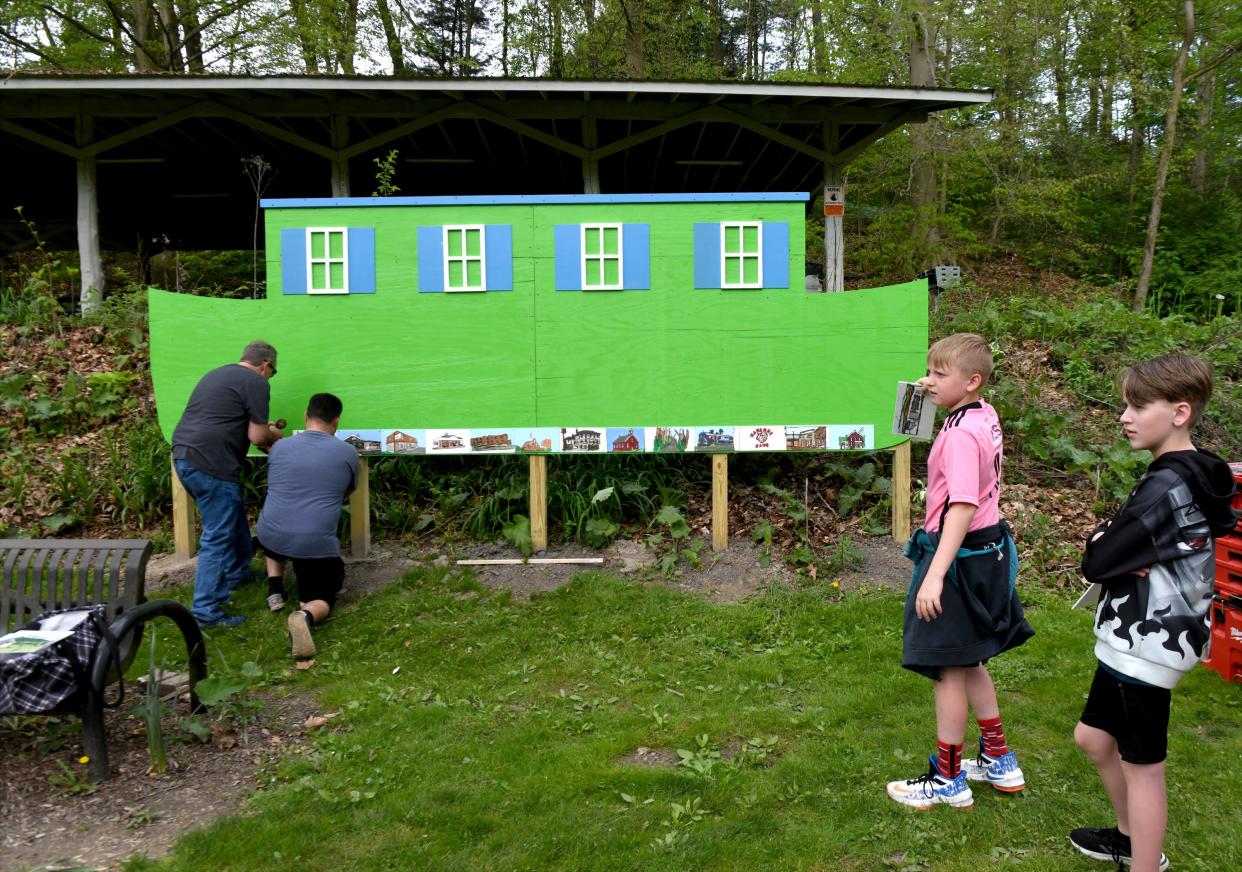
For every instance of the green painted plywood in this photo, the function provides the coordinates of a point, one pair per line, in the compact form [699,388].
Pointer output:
[536,357]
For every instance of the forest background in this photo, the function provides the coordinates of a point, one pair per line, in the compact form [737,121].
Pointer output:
[1105,111]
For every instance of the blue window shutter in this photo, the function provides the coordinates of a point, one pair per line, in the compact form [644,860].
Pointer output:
[568,251]
[636,256]
[499,253]
[430,260]
[776,254]
[293,260]
[361,241]
[707,255]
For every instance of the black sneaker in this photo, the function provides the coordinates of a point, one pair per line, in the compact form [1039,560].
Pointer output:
[1107,844]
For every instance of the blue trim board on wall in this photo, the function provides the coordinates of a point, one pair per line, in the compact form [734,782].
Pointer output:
[535,200]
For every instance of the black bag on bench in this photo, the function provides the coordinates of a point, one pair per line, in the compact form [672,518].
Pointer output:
[44,680]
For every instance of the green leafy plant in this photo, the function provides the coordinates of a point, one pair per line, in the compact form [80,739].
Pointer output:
[385,175]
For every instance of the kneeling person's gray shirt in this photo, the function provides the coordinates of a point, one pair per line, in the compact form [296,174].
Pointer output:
[308,478]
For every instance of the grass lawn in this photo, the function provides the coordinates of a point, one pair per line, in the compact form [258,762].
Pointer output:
[479,734]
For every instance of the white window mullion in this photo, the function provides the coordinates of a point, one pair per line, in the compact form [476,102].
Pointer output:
[741,255]
[463,257]
[601,258]
[327,260]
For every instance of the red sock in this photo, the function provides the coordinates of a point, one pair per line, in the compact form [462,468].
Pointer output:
[948,758]
[993,733]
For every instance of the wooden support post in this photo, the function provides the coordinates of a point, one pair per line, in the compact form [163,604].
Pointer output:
[834,245]
[90,260]
[901,491]
[538,502]
[360,513]
[720,502]
[340,163]
[184,540]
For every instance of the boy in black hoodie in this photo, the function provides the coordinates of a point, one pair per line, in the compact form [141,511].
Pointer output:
[1155,563]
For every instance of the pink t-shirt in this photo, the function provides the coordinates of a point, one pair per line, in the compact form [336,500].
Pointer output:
[965,466]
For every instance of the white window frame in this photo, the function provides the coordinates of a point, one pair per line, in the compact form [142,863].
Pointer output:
[741,256]
[464,259]
[327,260]
[619,257]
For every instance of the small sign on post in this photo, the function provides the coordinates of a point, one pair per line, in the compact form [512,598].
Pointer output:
[834,201]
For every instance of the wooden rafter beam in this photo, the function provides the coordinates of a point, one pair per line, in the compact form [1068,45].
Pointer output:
[652,133]
[841,158]
[277,132]
[190,111]
[403,130]
[528,131]
[41,139]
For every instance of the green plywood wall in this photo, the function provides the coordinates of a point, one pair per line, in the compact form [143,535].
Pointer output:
[534,356]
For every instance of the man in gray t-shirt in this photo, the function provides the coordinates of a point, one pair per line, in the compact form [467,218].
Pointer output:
[308,478]
[226,414]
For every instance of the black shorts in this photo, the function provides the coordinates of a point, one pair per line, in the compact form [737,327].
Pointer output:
[1136,715]
[319,578]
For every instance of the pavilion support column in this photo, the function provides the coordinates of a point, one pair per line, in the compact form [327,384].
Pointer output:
[590,165]
[90,260]
[340,163]
[834,244]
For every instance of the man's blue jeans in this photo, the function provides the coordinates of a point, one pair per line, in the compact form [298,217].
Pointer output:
[224,550]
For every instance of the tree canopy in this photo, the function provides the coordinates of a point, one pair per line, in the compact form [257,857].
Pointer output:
[1061,168]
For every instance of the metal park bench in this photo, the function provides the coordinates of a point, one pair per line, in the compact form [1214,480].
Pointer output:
[40,575]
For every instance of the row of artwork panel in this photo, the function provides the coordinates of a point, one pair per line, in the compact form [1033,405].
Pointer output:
[613,440]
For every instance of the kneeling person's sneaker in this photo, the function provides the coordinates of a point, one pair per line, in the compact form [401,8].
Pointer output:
[1001,772]
[1107,844]
[932,789]
[300,635]
[275,601]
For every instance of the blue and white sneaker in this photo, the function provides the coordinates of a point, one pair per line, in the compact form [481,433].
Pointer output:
[933,789]
[1001,772]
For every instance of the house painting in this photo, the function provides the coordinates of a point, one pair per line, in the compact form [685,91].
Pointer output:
[853,440]
[491,442]
[400,442]
[448,442]
[535,312]
[362,445]
[806,438]
[627,442]
[581,440]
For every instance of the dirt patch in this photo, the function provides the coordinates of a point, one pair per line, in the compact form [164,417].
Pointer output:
[882,564]
[650,758]
[724,576]
[385,564]
[47,826]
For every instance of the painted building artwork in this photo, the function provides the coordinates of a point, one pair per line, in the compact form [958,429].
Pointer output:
[539,440]
[448,441]
[475,324]
[626,439]
[365,441]
[806,438]
[582,440]
[491,442]
[402,442]
[847,438]
[713,438]
[670,439]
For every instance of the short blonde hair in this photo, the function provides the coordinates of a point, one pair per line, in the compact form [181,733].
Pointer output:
[1175,378]
[968,353]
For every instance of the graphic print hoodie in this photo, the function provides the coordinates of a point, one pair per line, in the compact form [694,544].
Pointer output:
[1154,627]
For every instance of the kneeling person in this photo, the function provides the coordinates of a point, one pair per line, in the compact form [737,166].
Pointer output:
[308,478]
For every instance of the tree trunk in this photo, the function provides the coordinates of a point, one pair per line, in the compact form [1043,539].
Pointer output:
[819,50]
[923,172]
[188,14]
[140,24]
[1205,94]
[504,38]
[172,37]
[348,38]
[635,53]
[1166,154]
[391,38]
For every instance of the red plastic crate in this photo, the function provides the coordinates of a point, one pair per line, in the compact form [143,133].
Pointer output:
[1229,567]
[1226,651]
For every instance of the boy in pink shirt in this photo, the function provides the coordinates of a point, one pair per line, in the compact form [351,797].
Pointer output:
[961,608]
